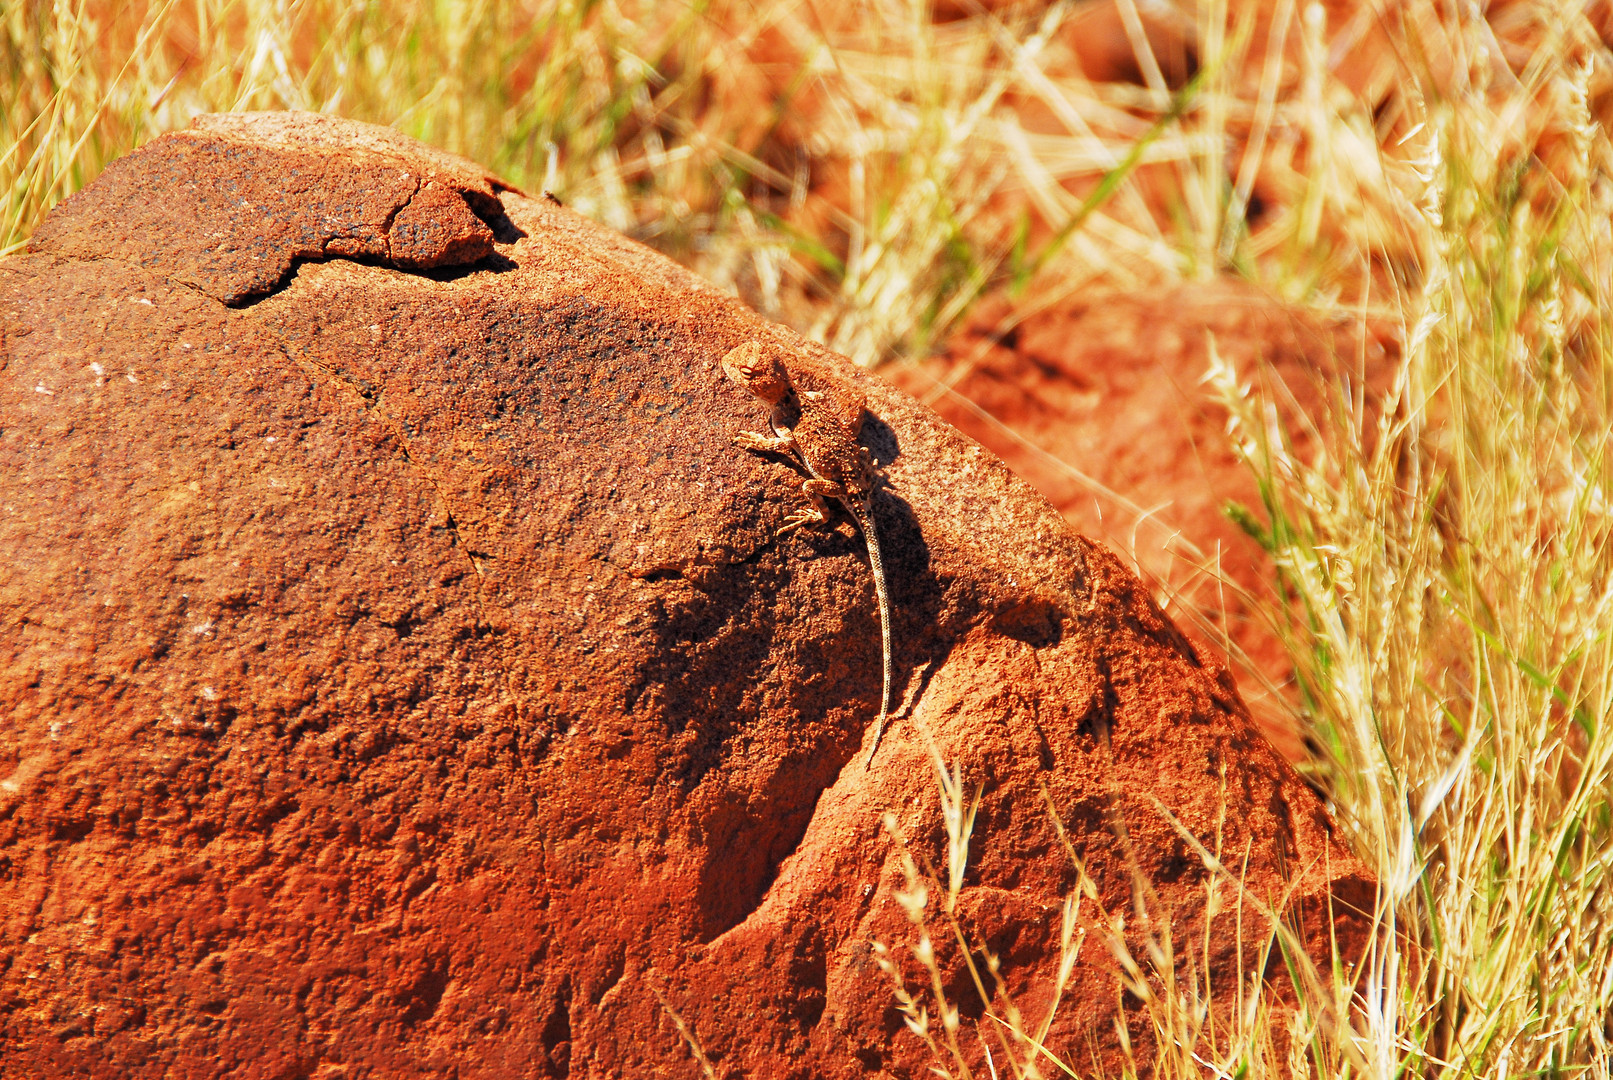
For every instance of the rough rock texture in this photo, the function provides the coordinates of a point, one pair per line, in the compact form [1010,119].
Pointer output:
[404,679]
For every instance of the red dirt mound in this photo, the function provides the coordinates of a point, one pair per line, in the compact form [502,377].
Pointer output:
[405,680]
[1101,403]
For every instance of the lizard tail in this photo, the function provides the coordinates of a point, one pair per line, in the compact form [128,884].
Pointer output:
[877,564]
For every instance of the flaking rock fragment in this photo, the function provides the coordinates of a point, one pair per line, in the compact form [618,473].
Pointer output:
[216,208]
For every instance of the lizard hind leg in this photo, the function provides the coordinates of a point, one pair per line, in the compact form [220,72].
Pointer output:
[819,491]
[807,515]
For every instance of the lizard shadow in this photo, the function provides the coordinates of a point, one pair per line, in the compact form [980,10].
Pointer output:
[1035,622]
[920,643]
[879,439]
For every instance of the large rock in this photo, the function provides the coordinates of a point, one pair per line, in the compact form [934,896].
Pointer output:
[404,680]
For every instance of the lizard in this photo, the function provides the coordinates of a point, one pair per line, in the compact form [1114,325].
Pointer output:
[820,432]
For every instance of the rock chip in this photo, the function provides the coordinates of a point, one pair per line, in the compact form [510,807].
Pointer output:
[404,678]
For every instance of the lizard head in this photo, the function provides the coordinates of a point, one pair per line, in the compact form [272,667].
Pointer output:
[757,368]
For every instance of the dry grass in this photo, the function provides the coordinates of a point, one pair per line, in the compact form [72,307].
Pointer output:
[1445,590]
[1449,564]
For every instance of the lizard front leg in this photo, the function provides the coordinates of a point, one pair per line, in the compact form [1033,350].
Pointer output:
[770,444]
[820,492]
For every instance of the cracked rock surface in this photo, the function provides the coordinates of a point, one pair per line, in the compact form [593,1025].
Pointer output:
[403,678]
[227,206]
